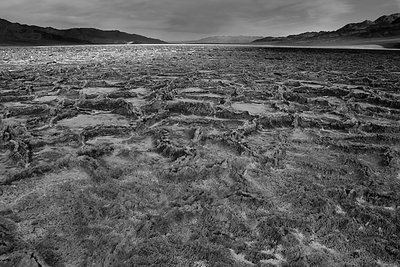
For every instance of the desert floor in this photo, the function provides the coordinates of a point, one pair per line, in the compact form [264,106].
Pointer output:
[199,156]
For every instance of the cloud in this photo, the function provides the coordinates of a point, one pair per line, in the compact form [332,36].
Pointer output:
[327,11]
[207,15]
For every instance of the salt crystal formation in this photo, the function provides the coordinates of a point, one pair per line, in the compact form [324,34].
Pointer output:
[199,156]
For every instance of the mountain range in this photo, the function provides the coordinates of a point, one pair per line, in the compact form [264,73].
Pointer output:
[384,31]
[225,40]
[19,34]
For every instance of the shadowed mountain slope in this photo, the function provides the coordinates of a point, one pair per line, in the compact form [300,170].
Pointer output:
[18,34]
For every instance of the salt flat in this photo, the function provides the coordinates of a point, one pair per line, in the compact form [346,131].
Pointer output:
[176,155]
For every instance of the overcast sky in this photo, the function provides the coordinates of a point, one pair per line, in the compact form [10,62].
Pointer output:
[190,19]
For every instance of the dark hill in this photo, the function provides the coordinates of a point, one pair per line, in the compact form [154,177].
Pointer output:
[19,34]
[384,31]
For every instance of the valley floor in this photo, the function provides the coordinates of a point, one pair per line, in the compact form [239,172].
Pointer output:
[199,156]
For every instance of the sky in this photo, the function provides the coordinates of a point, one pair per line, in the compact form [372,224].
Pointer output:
[174,20]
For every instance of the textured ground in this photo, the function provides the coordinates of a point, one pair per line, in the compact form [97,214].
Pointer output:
[199,156]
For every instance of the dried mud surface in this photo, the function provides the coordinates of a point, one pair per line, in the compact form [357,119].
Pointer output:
[199,156]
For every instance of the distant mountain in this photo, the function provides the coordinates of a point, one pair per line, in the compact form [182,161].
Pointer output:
[384,31]
[19,34]
[225,40]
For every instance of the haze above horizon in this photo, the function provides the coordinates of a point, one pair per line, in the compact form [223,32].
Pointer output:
[177,20]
